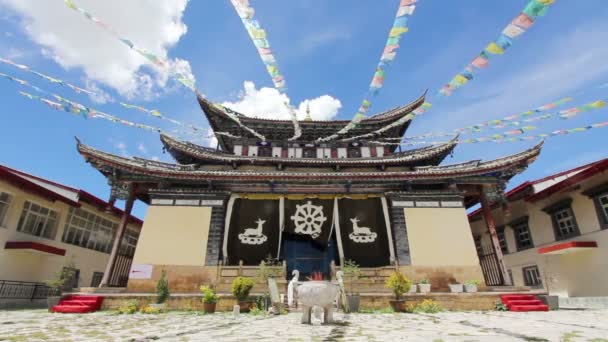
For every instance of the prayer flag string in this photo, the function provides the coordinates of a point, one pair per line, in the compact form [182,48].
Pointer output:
[524,20]
[159,61]
[406,9]
[154,113]
[259,38]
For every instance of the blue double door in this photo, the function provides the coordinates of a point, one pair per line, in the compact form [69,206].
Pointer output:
[308,257]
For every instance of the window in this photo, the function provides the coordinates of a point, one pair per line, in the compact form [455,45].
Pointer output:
[502,240]
[599,196]
[510,272]
[96,279]
[265,151]
[37,220]
[354,152]
[600,201]
[88,230]
[128,243]
[521,231]
[532,276]
[72,283]
[5,202]
[310,152]
[564,224]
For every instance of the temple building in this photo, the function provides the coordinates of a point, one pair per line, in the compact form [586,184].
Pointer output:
[272,191]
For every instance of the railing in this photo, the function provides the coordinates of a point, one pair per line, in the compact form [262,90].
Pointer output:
[25,290]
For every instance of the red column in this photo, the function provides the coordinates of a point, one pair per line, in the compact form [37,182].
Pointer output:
[487,215]
[107,275]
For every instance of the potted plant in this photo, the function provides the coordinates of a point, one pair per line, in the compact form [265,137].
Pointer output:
[424,285]
[352,272]
[400,285]
[456,288]
[413,288]
[58,284]
[209,299]
[471,285]
[241,287]
[162,291]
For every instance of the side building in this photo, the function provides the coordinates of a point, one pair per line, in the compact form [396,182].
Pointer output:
[45,226]
[553,233]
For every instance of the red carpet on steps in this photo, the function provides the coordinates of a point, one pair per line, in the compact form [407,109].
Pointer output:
[78,304]
[521,303]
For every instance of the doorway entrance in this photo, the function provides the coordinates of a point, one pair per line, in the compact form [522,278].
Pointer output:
[306,256]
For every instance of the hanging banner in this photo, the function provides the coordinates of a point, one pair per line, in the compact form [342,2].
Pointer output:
[310,219]
[254,231]
[520,24]
[406,9]
[363,232]
[259,38]
[161,62]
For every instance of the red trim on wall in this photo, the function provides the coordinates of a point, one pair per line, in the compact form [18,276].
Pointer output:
[37,246]
[566,245]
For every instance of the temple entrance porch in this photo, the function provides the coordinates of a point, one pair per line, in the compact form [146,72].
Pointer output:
[308,257]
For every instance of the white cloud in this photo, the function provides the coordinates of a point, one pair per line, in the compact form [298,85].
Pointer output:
[122,148]
[71,40]
[141,148]
[270,104]
[98,96]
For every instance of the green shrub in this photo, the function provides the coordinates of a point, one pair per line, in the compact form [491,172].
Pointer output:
[255,311]
[162,288]
[399,283]
[499,306]
[129,307]
[424,281]
[351,271]
[209,296]
[472,282]
[241,287]
[426,306]
[150,310]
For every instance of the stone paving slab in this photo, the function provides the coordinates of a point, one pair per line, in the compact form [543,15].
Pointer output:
[565,325]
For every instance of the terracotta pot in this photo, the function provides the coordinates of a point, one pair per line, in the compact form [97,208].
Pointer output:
[245,306]
[209,307]
[398,305]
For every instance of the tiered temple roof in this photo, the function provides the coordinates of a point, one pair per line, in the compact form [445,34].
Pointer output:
[188,153]
[220,120]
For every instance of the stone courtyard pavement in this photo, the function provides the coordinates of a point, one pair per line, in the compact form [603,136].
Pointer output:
[38,325]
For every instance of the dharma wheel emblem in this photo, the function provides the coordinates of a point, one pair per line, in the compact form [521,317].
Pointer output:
[254,236]
[309,219]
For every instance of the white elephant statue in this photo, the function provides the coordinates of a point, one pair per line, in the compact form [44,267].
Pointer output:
[316,293]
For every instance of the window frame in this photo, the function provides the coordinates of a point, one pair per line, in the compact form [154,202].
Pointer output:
[504,245]
[23,218]
[515,224]
[4,215]
[595,193]
[539,278]
[94,229]
[553,210]
[96,279]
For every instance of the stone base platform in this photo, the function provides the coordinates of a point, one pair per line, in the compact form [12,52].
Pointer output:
[369,301]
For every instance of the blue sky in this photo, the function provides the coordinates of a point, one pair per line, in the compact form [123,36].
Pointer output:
[323,48]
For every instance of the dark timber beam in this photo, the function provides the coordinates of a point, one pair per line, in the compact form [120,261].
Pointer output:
[491,225]
[107,275]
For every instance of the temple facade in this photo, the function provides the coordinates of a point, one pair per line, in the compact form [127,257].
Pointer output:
[275,190]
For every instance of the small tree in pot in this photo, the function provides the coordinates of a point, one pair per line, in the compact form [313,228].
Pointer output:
[162,291]
[209,299]
[59,283]
[241,287]
[400,284]
[352,272]
[471,285]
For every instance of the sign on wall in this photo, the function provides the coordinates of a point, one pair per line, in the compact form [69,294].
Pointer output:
[140,271]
